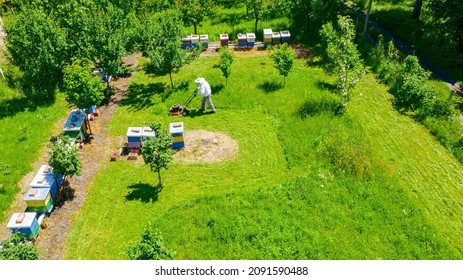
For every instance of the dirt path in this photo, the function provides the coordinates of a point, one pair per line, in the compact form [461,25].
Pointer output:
[94,156]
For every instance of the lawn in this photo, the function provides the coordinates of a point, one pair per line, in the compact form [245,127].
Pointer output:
[23,133]
[306,183]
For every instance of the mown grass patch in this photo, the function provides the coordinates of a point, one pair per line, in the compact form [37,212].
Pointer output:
[287,194]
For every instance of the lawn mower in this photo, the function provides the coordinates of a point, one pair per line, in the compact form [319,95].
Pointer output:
[178,109]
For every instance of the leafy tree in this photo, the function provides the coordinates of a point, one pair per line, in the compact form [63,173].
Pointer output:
[194,11]
[367,18]
[283,58]
[37,46]
[259,9]
[157,152]
[64,158]
[169,58]
[343,56]
[411,90]
[225,62]
[83,89]
[150,247]
[314,12]
[14,249]
[449,12]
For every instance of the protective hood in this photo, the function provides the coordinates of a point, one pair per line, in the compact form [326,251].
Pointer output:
[200,80]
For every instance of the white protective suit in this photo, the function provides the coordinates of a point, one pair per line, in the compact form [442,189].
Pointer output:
[204,89]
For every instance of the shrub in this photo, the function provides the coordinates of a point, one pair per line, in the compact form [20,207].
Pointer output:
[15,249]
[150,247]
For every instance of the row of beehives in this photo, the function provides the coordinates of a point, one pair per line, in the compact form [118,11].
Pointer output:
[40,199]
[41,196]
[244,39]
[137,135]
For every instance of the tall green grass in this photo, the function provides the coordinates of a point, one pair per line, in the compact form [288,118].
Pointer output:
[22,135]
[296,190]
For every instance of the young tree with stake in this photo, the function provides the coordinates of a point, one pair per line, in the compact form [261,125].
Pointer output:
[283,58]
[226,60]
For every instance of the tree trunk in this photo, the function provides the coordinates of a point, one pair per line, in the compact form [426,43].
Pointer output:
[159,177]
[195,26]
[171,82]
[367,18]
[87,123]
[255,24]
[417,9]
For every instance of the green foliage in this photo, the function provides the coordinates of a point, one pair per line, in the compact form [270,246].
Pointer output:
[157,152]
[411,90]
[150,247]
[344,58]
[314,12]
[64,158]
[194,11]
[283,57]
[225,62]
[38,47]
[15,249]
[450,12]
[82,87]
[259,9]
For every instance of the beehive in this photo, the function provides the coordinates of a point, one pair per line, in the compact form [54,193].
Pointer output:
[24,223]
[146,133]
[39,200]
[285,36]
[194,40]
[268,37]
[48,170]
[224,40]
[251,39]
[134,137]
[45,181]
[242,41]
[176,130]
[75,126]
[204,39]
[186,42]
[276,38]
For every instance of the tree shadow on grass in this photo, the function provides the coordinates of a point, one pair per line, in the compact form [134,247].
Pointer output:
[10,107]
[146,193]
[216,89]
[269,87]
[139,95]
[327,86]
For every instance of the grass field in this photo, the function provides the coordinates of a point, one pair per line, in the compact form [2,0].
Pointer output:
[306,184]
[22,134]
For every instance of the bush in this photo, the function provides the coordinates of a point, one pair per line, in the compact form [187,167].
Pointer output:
[13,75]
[150,247]
[15,249]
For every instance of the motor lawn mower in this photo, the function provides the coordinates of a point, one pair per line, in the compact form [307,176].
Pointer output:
[178,109]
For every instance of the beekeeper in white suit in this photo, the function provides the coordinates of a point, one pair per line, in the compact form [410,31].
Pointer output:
[204,89]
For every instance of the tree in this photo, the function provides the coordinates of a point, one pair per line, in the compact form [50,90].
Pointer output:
[411,90]
[259,9]
[449,12]
[225,62]
[14,249]
[343,56]
[64,158]
[157,152]
[150,247]
[83,89]
[367,18]
[169,58]
[37,46]
[314,12]
[283,58]
[194,11]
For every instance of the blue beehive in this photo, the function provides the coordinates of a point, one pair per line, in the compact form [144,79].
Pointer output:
[176,130]
[75,126]
[285,36]
[186,42]
[24,223]
[134,137]
[46,181]
[242,40]
[251,39]
[48,170]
